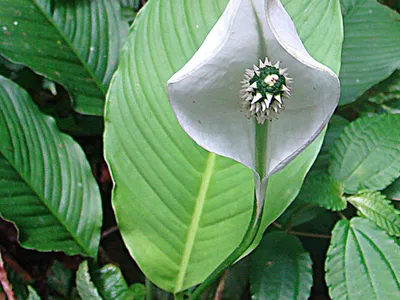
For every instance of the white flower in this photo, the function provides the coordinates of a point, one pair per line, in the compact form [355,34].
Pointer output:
[223,95]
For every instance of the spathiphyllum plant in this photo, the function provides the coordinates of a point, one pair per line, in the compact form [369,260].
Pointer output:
[252,92]
[219,164]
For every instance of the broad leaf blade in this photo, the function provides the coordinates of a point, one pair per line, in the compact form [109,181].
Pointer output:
[363,262]
[378,209]
[361,154]
[46,185]
[319,24]
[173,199]
[280,268]
[75,43]
[367,22]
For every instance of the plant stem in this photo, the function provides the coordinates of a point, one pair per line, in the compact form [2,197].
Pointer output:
[341,215]
[247,240]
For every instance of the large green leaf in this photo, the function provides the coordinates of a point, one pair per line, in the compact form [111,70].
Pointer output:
[46,185]
[74,42]
[371,49]
[174,201]
[363,262]
[280,269]
[361,155]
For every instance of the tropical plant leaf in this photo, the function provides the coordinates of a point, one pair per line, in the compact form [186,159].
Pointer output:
[84,284]
[110,283]
[280,268]
[367,22]
[386,90]
[46,185]
[173,199]
[310,18]
[134,4]
[393,190]
[375,206]
[75,43]
[61,280]
[363,262]
[360,156]
[323,190]
[335,127]
[137,291]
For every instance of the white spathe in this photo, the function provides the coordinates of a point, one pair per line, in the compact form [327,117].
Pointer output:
[205,93]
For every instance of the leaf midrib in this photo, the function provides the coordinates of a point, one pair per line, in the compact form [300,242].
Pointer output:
[85,66]
[194,225]
[43,202]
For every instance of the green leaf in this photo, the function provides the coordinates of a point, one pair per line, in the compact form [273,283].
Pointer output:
[386,90]
[18,283]
[173,199]
[110,283]
[280,268]
[393,190]
[32,294]
[75,43]
[371,47]
[60,280]
[137,291]
[129,8]
[319,25]
[46,184]
[130,3]
[378,209]
[106,283]
[335,127]
[86,288]
[323,190]
[360,156]
[363,262]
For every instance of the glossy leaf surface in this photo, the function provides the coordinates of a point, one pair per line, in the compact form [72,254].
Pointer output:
[74,42]
[46,185]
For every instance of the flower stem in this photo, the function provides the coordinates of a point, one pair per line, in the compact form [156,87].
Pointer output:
[247,240]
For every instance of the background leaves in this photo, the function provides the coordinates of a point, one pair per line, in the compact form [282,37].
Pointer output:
[281,268]
[366,155]
[371,48]
[46,185]
[75,43]
[363,262]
